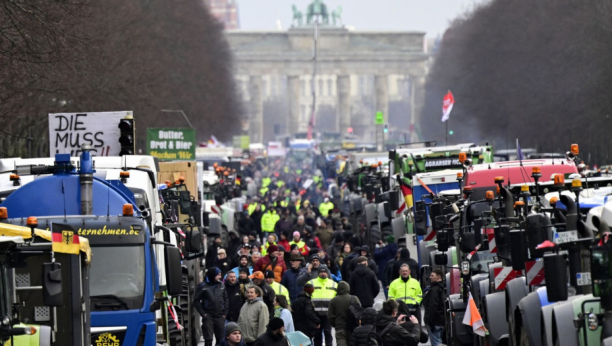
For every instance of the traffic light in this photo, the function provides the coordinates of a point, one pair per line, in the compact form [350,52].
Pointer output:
[386,128]
[127,137]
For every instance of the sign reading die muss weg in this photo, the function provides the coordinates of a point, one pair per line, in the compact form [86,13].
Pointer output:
[171,144]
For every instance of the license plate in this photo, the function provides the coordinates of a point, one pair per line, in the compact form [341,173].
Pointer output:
[565,237]
[583,279]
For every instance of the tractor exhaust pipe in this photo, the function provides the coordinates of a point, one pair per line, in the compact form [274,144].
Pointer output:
[86,179]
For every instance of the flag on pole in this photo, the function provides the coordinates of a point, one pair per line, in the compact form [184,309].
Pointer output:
[519,152]
[213,142]
[407,192]
[472,318]
[447,105]
[65,239]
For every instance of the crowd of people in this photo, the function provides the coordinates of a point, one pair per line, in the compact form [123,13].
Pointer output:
[297,262]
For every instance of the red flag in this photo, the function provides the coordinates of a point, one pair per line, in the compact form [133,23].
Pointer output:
[65,239]
[447,105]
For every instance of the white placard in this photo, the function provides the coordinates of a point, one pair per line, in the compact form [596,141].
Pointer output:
[69,131]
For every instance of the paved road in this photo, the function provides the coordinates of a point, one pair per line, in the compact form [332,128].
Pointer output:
[380,298]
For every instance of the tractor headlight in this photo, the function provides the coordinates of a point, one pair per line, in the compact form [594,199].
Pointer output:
[593,321]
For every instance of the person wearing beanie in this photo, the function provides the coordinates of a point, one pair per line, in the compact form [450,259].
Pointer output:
[274,261]
[233,336]
[311,271]
[338,311]
[299,243]
[363,283]
[212,304]
[304,317]
[243,262]
[244,282]
[290,277]
[274,335]
[276,287]
[365,252]
[384,253]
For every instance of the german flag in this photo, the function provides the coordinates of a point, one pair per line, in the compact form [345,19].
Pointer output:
[407,192]
[65,239]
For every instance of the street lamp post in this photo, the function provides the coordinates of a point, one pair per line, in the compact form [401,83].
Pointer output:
[179,111]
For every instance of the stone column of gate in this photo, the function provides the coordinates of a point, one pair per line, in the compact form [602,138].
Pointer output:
[256,109]
[381,84]
[417,102]
[343,107]
[293,120]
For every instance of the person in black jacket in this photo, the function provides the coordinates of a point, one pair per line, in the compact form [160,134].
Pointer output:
[361,334]
[274,335]
[389,328]
[268,292]
[234,296]
[363,252]
[434,307]
[304,317]
[344,270]
[404,257]
[211,302]
[364,284]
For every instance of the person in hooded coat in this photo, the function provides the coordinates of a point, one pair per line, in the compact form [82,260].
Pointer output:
[290,277]
[235,242]
[405,258]
[364,284]
[384,254]
[304,317]
[274,335]
[365,252]
[212,304]
[254,316]
[344,270]
[338,311]
[360,336]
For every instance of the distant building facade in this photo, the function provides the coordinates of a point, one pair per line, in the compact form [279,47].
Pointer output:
[358,74]
[226,11]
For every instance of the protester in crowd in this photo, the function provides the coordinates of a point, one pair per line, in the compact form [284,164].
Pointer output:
[406,288]
[284,224]
[267,292]
[270,240]
[233,336]
[255,257]
[388,326]
[338,311]
[256,216]
[324,233]
[222,262]
[335,248]
[234,296]
[311,271]
[243,250]
[361,335]
[273,261]
[299,243]
[300,226]
[246,224]
[310,239]
[278,288]
[346,272]
[364,284]
[325,291]
[211,302]
[290,277]
[283,310]
[211,254]
[433,302]
[404,258]
[384,252]
[274,335]
[388,273]
[304,316]
[254,316]
[333,269]
[284,244]
[244,281]
[254,241]
[345,251]
[234,244]
[243,262]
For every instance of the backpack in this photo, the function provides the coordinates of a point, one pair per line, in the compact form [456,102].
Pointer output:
[374,339]
[354,315]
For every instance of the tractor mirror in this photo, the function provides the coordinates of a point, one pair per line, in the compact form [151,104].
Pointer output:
[440,259]
[174,272]
[52,284]
[194,244]
[555,274]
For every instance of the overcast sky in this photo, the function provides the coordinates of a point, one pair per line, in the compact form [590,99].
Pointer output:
[430,16]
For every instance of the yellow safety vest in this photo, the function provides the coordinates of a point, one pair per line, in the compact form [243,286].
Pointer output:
[280,290]
[264,248]
[409,292]
[324,291]
[265,181]
[263,190]
[324,208]
[268,221]
[252,207]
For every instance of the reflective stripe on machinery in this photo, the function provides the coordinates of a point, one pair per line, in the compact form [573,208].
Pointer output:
[503,275]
